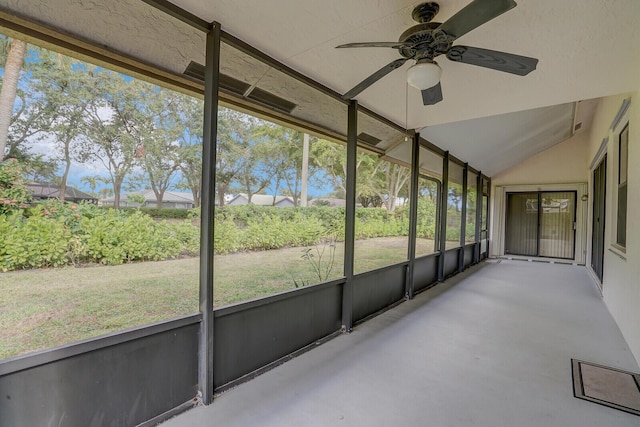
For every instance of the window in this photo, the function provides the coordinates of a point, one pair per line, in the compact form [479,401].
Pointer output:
[454,205]
[279,216]
[382,213]
[102,176]
[472,195]
[426,232]
[623,149]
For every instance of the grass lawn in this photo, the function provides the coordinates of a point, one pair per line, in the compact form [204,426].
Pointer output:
[49,307]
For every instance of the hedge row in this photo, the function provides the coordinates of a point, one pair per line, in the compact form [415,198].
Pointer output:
[162,213]
[53,234]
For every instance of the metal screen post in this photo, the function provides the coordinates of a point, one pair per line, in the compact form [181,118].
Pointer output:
[463,222]
[444,203]
[413,212]
[476,251]
[488,211]
[210,130]
[350,215]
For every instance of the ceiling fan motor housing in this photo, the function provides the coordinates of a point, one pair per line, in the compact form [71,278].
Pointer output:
[425,12]
[426,41]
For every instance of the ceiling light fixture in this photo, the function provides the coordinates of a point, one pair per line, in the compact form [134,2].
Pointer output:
[424,74]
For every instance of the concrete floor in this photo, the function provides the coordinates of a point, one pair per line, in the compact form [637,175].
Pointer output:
[489,347]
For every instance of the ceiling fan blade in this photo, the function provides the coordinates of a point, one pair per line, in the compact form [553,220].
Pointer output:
[501,61]
[374,78]
[394,45]
[474,15]
[433,95]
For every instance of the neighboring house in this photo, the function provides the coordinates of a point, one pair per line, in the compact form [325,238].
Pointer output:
[171,199]
[51,191]
[262,200]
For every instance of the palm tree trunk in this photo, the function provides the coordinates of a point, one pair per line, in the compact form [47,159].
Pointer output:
[13,65]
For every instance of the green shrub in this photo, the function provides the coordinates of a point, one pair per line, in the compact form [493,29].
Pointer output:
[188,236]
[453,234]
[33,242]
[426,227]
[162,213]
[66,233]
[14,194]
[167,213]
[268,232]
[115,239]
[227,237]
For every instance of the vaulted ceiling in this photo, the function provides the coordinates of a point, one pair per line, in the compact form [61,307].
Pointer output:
[587,49]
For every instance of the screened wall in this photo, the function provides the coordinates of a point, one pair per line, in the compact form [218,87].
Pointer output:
[98,141]
[314,215]
[454,206]
[471,208]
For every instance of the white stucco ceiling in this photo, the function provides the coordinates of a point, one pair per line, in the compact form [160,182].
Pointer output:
[587,49]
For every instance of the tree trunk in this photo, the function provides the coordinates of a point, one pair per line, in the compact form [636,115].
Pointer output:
[63,180]
[67,167]
[13,65]
[159,197]
[117,184]
[305,169]
[221,190]
[196,196]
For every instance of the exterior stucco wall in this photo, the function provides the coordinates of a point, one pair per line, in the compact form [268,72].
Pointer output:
[621,287]
[563,163]
[562,167]
[571,162]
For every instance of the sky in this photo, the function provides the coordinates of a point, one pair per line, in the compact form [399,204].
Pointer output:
[46,147]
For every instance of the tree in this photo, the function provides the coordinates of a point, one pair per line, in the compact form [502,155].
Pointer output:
[190,141]
[454,196]
[32,110]
[391,181]
[93,181]
[284,156]
[112,117]
[66,96]
[233,135]
[158,133]
[16,51]
[332,159]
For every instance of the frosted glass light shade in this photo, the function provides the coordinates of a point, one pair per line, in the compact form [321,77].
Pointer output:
[424,75]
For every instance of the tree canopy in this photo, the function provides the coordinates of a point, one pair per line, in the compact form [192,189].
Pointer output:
[126,133]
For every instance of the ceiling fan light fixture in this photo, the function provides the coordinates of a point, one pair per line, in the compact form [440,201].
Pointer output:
[424,74]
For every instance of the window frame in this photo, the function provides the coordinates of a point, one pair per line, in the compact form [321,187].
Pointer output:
[619,127]
[621,191]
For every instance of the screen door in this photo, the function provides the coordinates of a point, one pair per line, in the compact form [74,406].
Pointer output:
[541,224]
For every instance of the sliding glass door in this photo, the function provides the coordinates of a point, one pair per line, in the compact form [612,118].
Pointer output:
[599,205]
[522,224]
[541,224]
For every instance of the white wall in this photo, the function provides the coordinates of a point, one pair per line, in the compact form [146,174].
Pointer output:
[563,167]
[571,162]
[563,163]
[621,281]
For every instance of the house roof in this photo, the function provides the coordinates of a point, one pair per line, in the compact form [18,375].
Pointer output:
[51,191]
[262,199]
[587,49]
[150,196]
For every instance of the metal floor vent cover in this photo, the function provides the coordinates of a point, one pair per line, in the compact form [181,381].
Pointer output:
[606,386]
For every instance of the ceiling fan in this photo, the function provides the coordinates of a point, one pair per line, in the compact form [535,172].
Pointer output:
[427,40]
